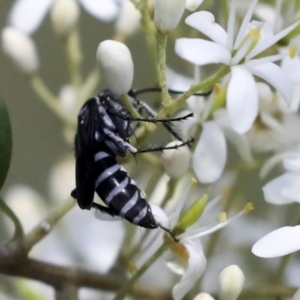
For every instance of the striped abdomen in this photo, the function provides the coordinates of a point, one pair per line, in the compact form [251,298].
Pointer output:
[120,192]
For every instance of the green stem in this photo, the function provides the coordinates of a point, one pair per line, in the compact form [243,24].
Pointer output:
[74,56]
[204,85]
[172,184]
[19,232]
[125,289]
[150,31]
[42,229]
[129,107]
[49,99]
[162,46]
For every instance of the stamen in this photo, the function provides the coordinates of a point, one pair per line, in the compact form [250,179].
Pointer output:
[194,234]
[222,217]
[255,34]
[293,51]
[249,206]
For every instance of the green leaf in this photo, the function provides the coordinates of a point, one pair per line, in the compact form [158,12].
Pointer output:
[5,142]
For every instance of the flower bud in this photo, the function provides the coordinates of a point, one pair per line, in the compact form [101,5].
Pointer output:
[129,19]
[193,213]
[232,281]
[21,49]
[68,97]
[192,5]
[116,60]
[176,161]
[203,296]
[64,16]
[167,14]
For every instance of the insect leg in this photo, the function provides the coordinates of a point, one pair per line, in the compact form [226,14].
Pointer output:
[104,209]
[152,120]
[169,232]
[119,141]
[158,89]
[156,149]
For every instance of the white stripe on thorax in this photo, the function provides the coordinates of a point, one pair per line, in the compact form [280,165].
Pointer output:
[140,215]
[119,140]
[106,173]
[118,189]
[106,118]
[129,204]
[100,155]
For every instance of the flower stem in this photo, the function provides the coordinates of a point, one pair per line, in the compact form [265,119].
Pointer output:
[162,46]
[89,86]
[150,31]
[19,232]
[127,287]
[49,99]
[204,85]
[45,226]
[134,113]
[74,58]
[129,107]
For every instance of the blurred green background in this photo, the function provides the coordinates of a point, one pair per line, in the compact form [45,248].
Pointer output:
[37,136]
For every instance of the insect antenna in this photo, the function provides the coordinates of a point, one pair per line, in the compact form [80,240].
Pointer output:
[171,91]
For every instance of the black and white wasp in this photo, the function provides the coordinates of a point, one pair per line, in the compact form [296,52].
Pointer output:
[103,132]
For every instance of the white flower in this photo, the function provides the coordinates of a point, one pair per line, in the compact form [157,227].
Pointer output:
[27,15]
[21,49]
[116,60]
[210,153]
[285,189]
[279,242]
[167,14]
[291,65]
[187,257]
[252,39]
[273,124]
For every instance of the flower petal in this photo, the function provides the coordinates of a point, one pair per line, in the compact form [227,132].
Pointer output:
[244,26]
[275,76]
[204,21]
[106,12]
[201,52]
[271,40]
[291,65]
[279,242]
[292,162]
[284,189]
[242,99]
[196,267]
[296,296]
[27,15]
[210,153]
